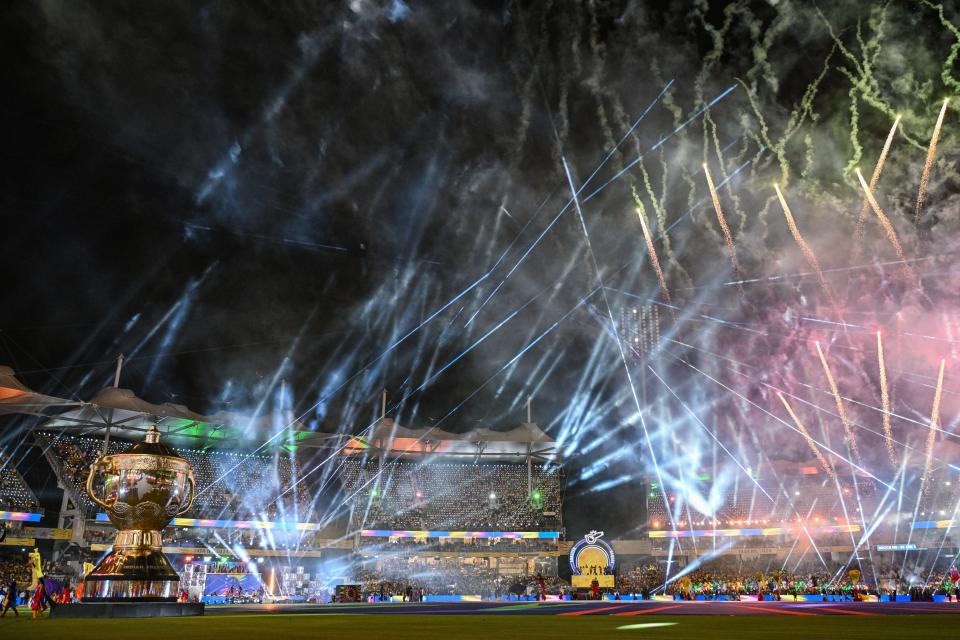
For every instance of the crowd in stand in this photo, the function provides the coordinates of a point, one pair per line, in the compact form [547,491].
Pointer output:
[446,496]
[13,566]
[717,580]
[230,486]
[15,495]
[399,578]
[822,502]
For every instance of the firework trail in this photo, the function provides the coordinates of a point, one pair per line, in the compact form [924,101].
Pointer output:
[641,213]
[925,178]
[851,438]
[805,248]
[887,227]
[934,420]
[723,221]
[795,231]
[885,402]
[861,220]
[806,436]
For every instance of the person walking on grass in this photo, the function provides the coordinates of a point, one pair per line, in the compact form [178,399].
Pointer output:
[10,599]
[37,603]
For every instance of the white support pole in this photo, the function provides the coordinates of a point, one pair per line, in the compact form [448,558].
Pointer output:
[529,409]
[116,375]
[529,475]
[283,399]
[383,414]
[64,503]
[116,385]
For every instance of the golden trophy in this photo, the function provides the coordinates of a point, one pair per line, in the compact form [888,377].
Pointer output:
[141,490]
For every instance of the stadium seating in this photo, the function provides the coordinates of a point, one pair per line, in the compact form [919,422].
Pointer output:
[813,499]
[15,495]
[230,486]
[449,496]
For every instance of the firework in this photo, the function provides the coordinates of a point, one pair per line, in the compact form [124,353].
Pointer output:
[885,402]
[840,410]
[874,179]
[804,247]
[887,227]
[795,231]
[925,178]
[723,221]
[934,421]
[806,436]
[652,251]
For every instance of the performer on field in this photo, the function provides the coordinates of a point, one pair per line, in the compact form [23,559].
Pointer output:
[37,604]
[36,568]
[10,599]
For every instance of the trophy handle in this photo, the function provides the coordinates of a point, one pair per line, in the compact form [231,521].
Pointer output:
[189,501]
[94,468]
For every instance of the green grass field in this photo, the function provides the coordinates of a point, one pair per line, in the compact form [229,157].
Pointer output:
[466,627]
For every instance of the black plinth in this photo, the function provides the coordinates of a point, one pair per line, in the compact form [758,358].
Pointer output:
[132,575]
[127,610]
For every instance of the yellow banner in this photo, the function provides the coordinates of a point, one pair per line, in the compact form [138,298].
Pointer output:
[19,542]
[46,533]
[585,582]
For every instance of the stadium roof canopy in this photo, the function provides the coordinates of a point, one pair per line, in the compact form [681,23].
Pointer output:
[125,415]
[122,414]
[393,440]
[16,397]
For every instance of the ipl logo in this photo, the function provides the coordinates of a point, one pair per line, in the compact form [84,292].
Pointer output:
[593,536]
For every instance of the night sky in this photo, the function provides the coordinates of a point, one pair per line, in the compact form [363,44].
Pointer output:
[234,194]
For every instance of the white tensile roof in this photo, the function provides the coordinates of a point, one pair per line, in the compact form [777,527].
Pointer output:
[16,397]
[396,440]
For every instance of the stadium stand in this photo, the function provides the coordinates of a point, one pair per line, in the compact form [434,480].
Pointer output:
[811,496]
[15,495]
[462,497]
[230,485]
[427,479]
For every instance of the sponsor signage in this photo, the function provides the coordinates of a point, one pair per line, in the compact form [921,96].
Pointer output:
[736,533]
[898,547]
[20,516]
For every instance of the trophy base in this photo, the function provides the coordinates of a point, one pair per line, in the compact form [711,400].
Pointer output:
[132,575]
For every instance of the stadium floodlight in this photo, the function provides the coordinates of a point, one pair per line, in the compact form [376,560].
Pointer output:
[493,496]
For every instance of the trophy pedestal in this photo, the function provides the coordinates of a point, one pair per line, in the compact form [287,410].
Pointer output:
[132,575]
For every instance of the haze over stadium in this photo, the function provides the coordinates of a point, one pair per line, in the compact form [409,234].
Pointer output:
[460,303]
